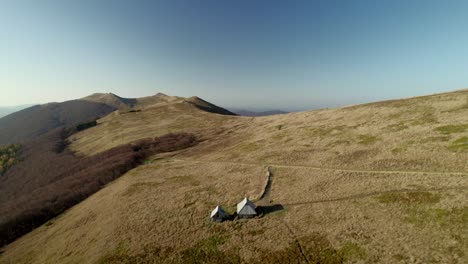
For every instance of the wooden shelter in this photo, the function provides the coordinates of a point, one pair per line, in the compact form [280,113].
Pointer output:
[218,214]
[246,209]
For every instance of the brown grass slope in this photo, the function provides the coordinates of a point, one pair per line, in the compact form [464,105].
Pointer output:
[377,183]
[111,100]
[128,104]
[38,120]
[424,133]
[207,106]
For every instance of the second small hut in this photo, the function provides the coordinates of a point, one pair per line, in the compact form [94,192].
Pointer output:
[218,214]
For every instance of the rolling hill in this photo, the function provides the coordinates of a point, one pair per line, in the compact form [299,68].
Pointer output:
[4,111]
[44,178]
[37,120]
[111,100]
[383,182]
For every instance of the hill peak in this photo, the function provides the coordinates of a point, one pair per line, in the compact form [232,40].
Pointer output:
[111,100]
[100,96]
[161,95]
[150,101]
[207,106]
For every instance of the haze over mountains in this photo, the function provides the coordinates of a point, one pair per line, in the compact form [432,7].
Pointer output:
[6,110]
[348,184]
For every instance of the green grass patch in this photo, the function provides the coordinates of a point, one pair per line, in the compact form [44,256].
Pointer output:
[425,118]
[122,254]
[460,144]
[409,198]
[352,251]
[456,217]
[367,139]
[207,251]
[230,209]
[436,139]
[314,248]
[450,129]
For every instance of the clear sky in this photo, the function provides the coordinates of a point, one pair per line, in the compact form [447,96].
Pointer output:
[290,55]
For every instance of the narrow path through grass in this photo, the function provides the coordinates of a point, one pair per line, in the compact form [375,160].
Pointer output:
[326,168]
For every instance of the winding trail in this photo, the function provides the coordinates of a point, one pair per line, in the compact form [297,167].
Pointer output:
[327,168]
[265,197]
[265,200]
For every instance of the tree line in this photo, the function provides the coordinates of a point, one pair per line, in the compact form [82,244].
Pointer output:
[50,178]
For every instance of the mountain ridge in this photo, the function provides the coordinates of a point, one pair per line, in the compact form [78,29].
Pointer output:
[39,119]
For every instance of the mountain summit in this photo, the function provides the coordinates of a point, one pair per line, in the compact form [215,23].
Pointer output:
[110,99]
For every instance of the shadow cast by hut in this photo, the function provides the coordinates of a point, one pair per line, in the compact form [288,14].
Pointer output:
[268,209]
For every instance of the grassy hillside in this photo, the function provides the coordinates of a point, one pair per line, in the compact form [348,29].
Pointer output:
[424,133]
[4,111]
[385,182]
[34,121]
[37,120]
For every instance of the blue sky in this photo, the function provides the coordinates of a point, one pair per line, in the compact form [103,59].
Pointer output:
[290,55]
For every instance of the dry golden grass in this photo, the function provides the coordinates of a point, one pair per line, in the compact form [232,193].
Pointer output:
[375,183]
[410,134]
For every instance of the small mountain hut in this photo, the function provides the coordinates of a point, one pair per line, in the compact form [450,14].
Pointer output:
[246,209]
[218,214]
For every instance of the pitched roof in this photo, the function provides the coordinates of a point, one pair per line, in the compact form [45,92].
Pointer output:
[219,210]
[245,202]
